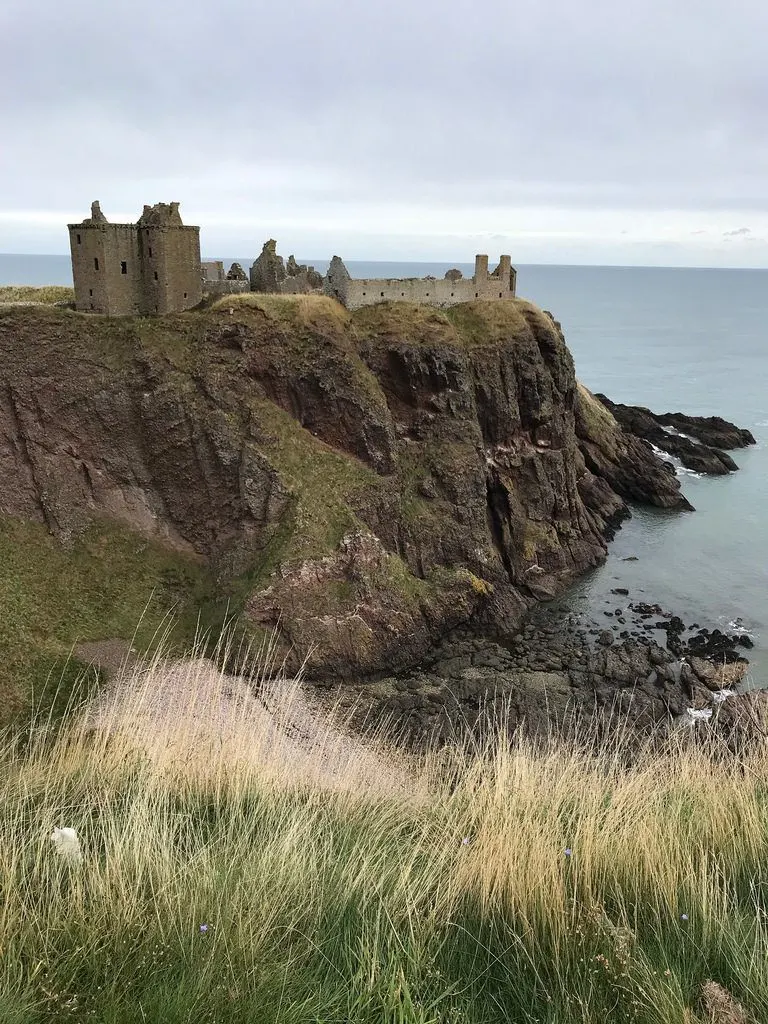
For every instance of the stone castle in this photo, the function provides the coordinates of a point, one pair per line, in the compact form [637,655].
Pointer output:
[154,266]
[431,291]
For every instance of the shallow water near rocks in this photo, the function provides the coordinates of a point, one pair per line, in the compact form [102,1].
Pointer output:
[694,341]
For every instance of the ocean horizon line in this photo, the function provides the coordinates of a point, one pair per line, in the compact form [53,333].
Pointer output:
[447,262]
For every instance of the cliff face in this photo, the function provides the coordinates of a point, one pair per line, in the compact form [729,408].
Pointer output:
[363,482]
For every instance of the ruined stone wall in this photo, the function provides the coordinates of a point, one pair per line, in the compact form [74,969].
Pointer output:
[106,268]
[226,287]
[212,270]
[441,292]
[87,244]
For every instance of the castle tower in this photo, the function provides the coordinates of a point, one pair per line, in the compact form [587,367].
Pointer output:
[481,269]
[152,266]
[169,255]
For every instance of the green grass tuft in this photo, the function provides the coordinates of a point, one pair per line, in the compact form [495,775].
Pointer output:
[53,598]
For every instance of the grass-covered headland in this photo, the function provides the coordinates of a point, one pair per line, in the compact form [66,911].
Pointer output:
[234,872]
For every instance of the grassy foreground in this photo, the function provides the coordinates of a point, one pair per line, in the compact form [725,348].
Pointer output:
[237,872]
[45,294]
[100,586]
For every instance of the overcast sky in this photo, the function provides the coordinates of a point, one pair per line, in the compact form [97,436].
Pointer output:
[600,131]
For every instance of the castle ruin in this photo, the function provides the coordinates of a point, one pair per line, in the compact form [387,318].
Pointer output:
[217,281]
[431,291]
[152,266]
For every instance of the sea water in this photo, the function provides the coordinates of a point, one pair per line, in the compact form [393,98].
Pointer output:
[694,341]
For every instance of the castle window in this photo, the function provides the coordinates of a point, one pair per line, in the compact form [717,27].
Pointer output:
[185,295]
[150,250]
[476,294]
[78,239]
[123,267]
[155,275]
[95,262]
[500,295]
[402,295]
[382,295]
[90,291]
[451,294]
[363,294]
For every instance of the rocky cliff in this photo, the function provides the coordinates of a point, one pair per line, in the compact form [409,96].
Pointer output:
[361,482]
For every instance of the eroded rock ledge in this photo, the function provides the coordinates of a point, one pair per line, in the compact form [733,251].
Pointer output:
[698,441]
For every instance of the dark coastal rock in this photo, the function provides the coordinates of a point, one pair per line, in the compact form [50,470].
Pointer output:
[662,431]
[558,673]
[640,684]
[621,461]
[712,431]
[285,450]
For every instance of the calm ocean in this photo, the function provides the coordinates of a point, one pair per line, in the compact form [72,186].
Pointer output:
[694,341]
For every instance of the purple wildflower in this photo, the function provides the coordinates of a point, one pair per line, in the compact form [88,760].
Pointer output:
[203,928]
[683,917]
[568,851]
[465,841]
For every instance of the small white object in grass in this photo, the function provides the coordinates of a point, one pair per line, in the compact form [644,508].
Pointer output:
[66,842]
[697,715]
[720,695]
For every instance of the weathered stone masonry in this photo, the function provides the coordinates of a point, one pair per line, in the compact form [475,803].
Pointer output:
[431,291]
[152,266]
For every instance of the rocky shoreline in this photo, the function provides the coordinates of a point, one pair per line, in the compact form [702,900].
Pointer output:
[647,668]
[699,442]
[632,658]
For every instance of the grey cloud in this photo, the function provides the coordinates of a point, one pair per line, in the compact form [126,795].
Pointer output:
[298,109]
[736,232]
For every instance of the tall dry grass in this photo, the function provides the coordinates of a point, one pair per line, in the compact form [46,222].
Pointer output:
[17,294]
[245,857]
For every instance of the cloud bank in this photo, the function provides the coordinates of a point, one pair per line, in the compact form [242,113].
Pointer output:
[599,133]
